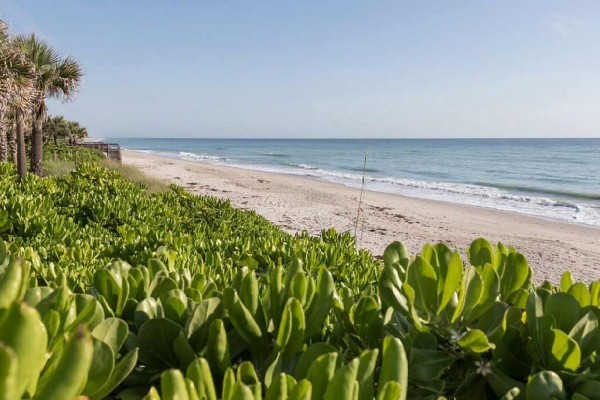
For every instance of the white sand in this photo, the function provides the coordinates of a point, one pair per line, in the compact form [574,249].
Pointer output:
[300,203]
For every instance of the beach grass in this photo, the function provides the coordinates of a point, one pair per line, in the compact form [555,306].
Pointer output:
[62,159]
[152,185]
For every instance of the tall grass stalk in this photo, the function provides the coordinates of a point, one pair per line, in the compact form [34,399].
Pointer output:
[362,189]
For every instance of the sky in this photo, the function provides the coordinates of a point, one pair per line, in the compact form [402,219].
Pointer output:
[326,69]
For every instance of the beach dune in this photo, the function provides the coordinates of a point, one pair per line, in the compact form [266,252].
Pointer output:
[306,204]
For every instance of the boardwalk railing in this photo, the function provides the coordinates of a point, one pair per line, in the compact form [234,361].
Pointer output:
[110,150]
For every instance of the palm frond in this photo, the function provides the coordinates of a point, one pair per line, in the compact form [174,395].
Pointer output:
[68,79]
[17,73]
[55,76]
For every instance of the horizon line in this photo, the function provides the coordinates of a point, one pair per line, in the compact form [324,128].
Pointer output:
[353,138]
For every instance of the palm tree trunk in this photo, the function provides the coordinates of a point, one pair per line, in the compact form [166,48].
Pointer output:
[12,144]
[3,137]
[3,142]
[21,161]
[37,144]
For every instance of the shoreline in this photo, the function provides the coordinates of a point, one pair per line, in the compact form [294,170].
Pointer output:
[296,203]
[318,179]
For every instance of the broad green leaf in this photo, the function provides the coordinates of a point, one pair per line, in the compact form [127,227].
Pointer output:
[109,285]
[489,293]
[515,274]
[243,321]
[72,368]
[8,371]
[113,332]
[390,293]
[120,372]
[10,282]
[308,357]
[390,391]
[503,385]
[172,385]
[273,370]
[535,314]
[564,353]
[581,293]
[199,373]
[481,252]
[299,286]
[341,386]
[366,373]
[147,309]
[595,293]
[163,345]
[175,305]
[494,322]
[470,293]
[302,391]
[278,388]
[217,349]
[249,292]
[320,306]
[35,295]
[429,254]
[564,309]
[475,341]
[241,392]
[394,365]
[566,281]
[291,331]
[427,365]
[518,298]
[199,322]
[228,384]
[155,266]
[3,248]
[22,330]
[103,363]
[396,253]
[247,375]
[451,276]
[545,385]
[421,276]
[320,373]
[586,334]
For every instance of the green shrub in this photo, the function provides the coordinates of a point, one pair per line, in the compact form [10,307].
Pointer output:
[167,295]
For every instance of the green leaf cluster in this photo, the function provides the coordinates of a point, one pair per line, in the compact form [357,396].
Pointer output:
[108,291]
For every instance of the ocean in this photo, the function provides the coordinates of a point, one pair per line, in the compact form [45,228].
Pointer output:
[549,178]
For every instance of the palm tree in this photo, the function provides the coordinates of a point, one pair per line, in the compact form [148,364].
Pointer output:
[55,127]
[77,132]
[55,77]
[16,92]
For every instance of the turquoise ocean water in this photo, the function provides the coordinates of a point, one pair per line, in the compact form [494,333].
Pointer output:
[550,178]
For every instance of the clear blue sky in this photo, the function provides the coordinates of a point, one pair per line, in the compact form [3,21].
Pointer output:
[326,68]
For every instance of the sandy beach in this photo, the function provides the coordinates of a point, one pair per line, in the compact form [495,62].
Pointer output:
[299,203]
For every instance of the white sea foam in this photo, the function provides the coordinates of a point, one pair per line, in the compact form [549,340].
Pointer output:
[142,151]
[202,157]
[469,194]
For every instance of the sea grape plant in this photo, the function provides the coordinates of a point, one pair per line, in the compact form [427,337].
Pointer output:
[170,295]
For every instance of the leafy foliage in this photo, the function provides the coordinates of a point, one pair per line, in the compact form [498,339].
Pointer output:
[58,127]
[109,291]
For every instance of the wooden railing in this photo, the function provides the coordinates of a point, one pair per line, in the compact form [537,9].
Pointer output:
[110,150]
